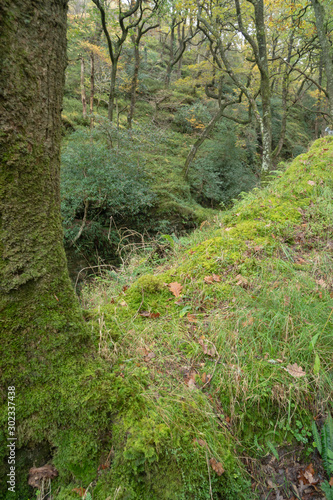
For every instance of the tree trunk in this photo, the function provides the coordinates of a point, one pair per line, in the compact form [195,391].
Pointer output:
[112,90]
[92,87]
[319,11]
[40,321]
[265,89]
[171,54]
[83,90]
[134,81]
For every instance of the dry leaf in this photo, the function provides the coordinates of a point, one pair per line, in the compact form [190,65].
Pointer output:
[295,370]
[208,279]
[149,356]
[123,303]
[80,491]
[331,481]
[307,475]
[192,318]
[175,288]
[203,345]
[242,281]
[216,277]
[147,314]
[321,283]
[227,228]
[312,183]
[201,442]
[216,466]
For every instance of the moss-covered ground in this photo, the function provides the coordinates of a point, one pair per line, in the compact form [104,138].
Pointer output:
[206,383]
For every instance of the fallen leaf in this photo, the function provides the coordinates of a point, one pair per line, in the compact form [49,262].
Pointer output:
[103,467]
[208,279]
[192,318]
[300,260]
[80,491]
[227,228]
[126,287]
[312,183]
[321,283]
[216,466]
[203,345]
[331,481]
[175,288]
[216,277]
[242,281]
[147,314]
[307,475]
[201,442]
[295,370]
[150,356]
[123,303]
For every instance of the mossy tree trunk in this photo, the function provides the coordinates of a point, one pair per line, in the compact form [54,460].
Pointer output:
[40,320]
[326,50]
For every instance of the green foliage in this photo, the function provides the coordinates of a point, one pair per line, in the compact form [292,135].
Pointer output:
[224,168]
[192,117]
[324,444]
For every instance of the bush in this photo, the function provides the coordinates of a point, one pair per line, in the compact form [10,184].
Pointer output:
[98,182]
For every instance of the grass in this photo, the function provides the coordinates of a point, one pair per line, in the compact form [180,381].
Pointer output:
[208,375]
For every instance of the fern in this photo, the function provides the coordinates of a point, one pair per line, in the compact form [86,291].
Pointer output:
[324,443]
[317,438]
[327,444]
[327,489]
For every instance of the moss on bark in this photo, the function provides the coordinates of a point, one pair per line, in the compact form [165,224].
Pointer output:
[45,348]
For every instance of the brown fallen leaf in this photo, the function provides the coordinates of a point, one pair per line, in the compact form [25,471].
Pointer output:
[201,442]
[295,370]
[208,279]
[312,183]
[331,481]
[241,281]
[192,318]
[80,491]
[149,356]
[321,283]
[147,314]
[175,288]
[203,345]
[216,466]
[307,475]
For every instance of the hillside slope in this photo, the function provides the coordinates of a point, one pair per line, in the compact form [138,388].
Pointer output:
[223,351]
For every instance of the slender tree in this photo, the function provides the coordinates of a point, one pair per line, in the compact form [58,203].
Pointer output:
[326,50]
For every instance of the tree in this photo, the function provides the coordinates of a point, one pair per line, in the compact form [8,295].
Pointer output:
[326,51]
[127,22]
[42,334]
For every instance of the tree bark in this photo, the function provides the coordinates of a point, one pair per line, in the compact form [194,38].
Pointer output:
[134,80]
[40,318]
[83,90]
[92,88]
[319,11]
